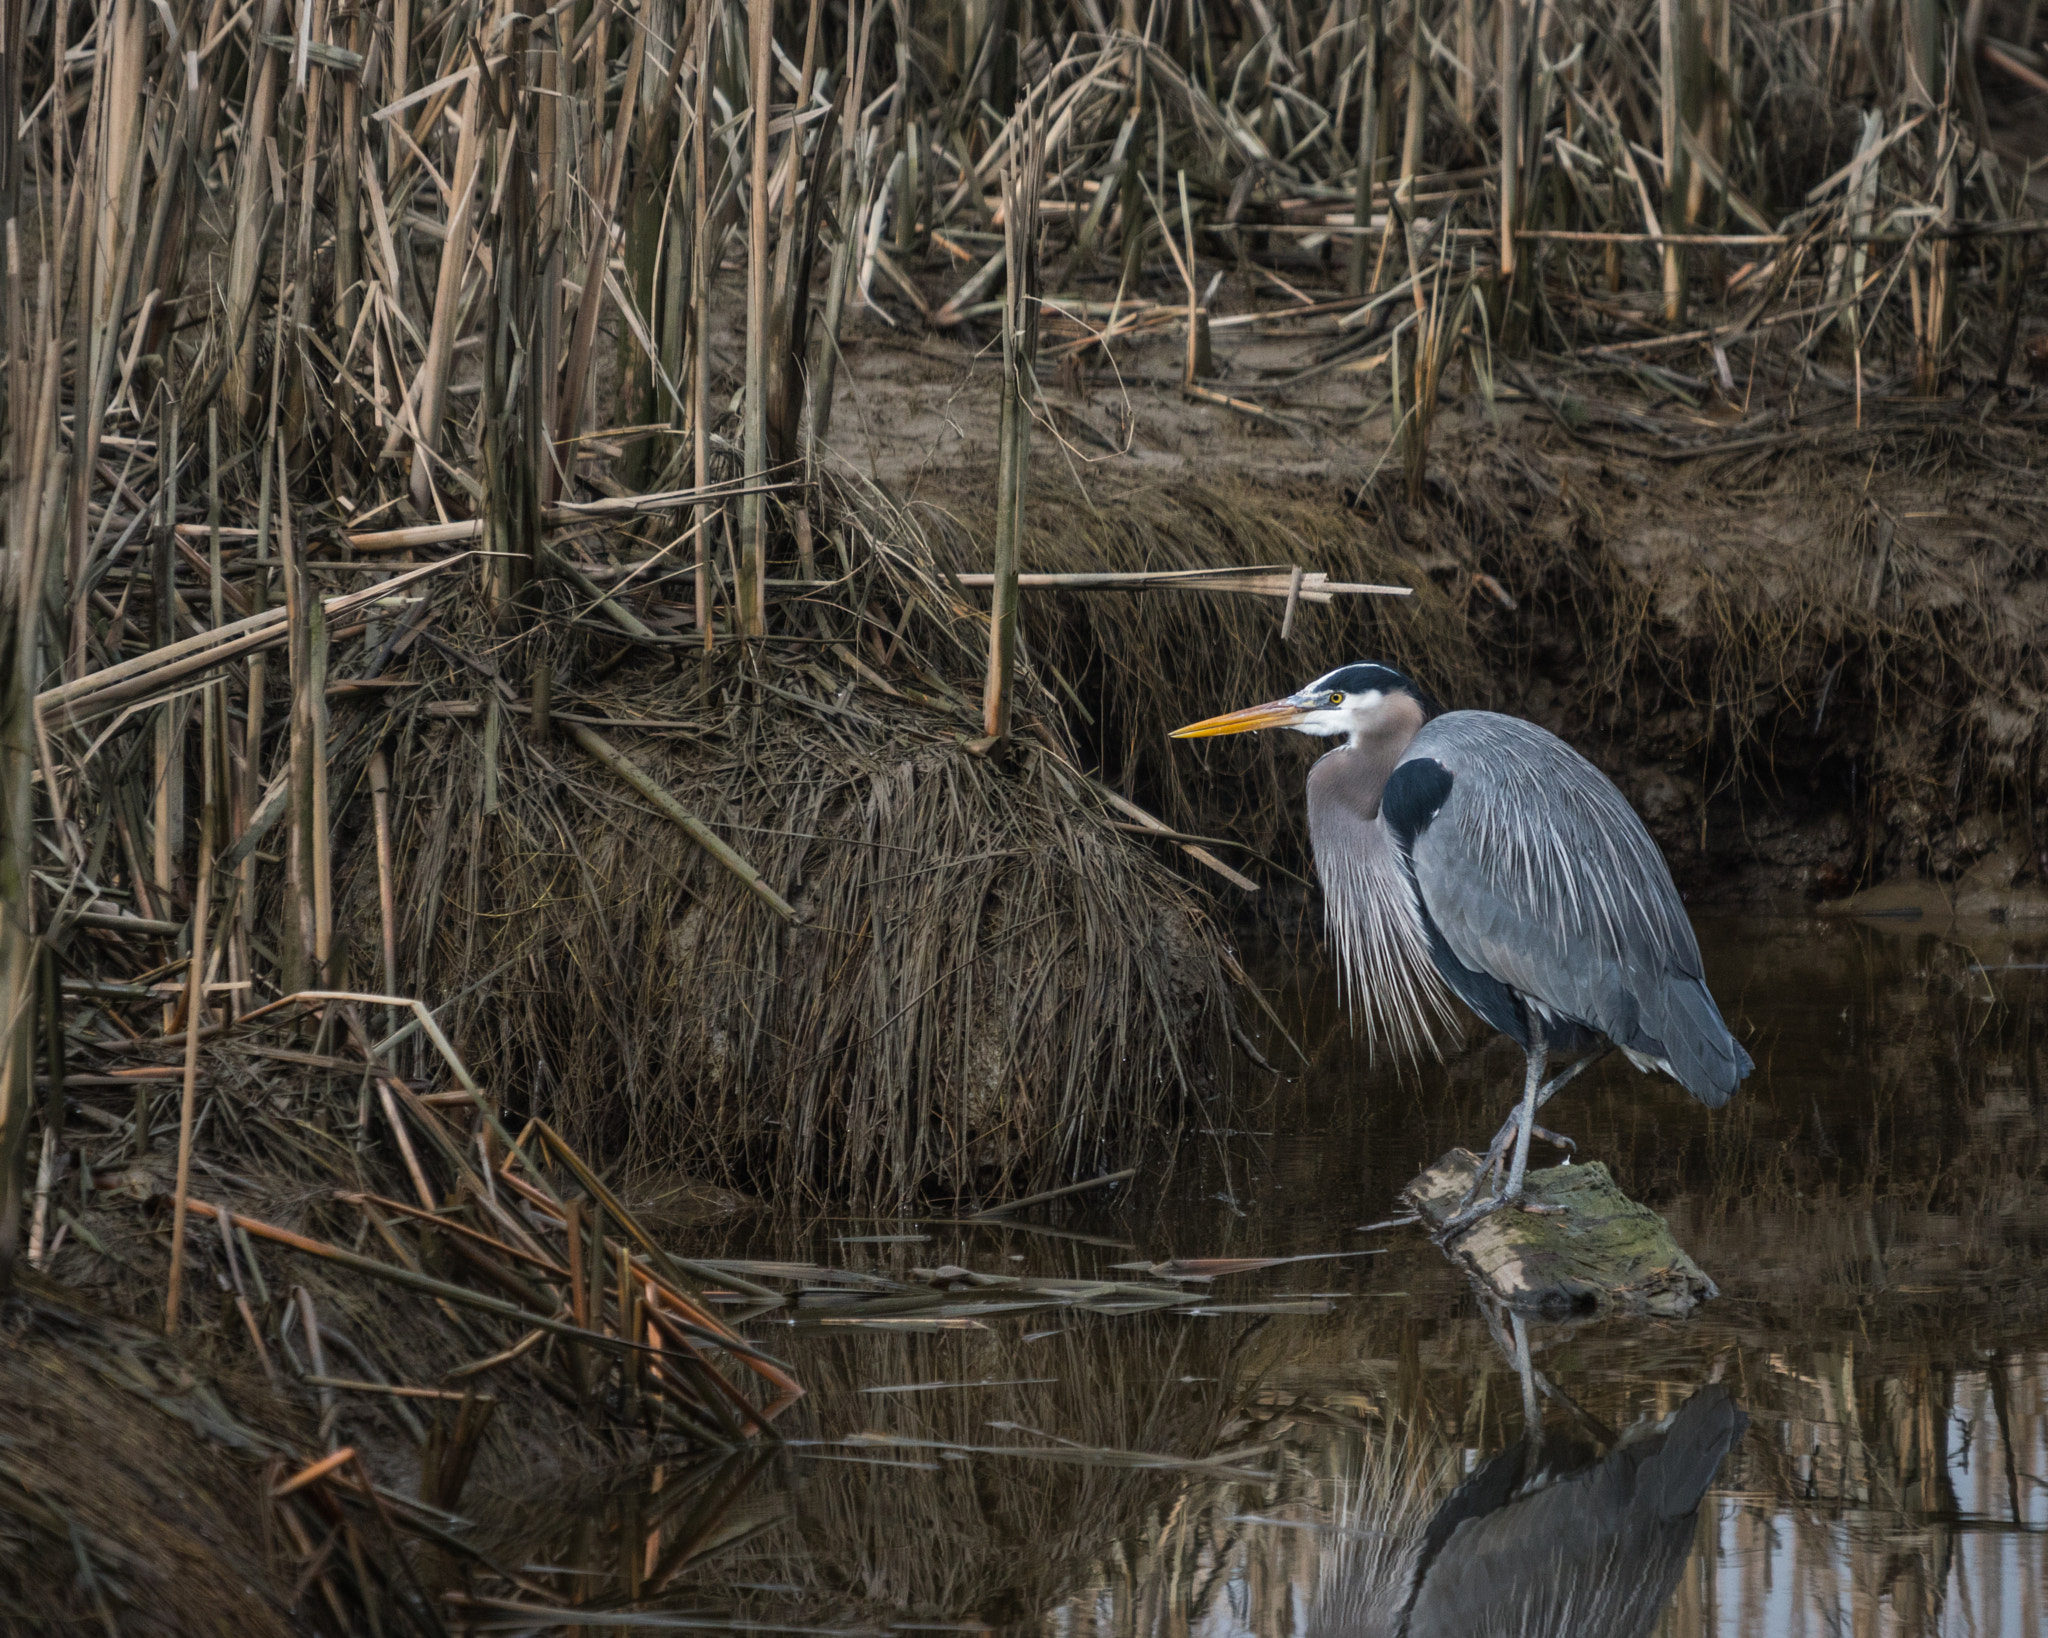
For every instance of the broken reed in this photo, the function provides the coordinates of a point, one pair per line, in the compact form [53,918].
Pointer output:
[377,252]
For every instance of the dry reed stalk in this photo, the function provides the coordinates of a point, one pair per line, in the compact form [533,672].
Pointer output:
[749,565]
[252,209]
[297,935]
[387,910]
[1368,155]
[38,482]
[18,667]
[157,672]
[1295,585]
[855,179]
[168,784]
[590,304]
[687,823]
[194,1009]
[1676,26]
[400,1275]
[1023,178]
[1935,332]
[430,389]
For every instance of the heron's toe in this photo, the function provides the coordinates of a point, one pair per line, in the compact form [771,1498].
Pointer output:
[1466,1215]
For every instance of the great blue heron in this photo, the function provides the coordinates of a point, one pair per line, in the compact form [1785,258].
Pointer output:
[1477,855]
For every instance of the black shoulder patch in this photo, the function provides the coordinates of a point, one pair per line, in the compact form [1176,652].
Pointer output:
[1415,794]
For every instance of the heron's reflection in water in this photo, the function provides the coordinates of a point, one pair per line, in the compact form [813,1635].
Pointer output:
[1570,1531]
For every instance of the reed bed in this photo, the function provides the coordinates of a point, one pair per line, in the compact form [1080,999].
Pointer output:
[982,984]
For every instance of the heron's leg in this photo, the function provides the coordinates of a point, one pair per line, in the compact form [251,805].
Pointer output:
[1564,1077]
[1530,1088]
[1549,1090]
[1525,1368]
[1520,1125]
[1496,1155]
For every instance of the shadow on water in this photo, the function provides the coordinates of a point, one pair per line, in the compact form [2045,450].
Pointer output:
[1853,1438]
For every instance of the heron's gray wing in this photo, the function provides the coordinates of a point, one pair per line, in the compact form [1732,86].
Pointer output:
[1537,872]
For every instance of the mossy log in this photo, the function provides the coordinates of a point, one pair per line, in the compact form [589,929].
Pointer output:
[1601,1251]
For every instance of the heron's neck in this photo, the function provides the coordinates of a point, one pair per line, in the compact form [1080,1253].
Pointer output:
[1370,755]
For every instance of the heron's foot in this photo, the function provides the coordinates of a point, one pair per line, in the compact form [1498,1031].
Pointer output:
[1465,1212]
[1472,1208]
[1470,1212]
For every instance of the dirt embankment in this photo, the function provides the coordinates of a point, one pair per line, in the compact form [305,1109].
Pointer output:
[1808,651]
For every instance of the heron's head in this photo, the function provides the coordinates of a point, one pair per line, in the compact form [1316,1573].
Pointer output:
[1354,702]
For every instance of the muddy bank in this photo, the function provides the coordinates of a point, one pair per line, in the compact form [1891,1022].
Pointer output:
[1812,660]
[388,1316]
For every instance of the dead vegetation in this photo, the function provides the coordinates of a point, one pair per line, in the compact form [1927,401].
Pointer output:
[988,984]
[379,1297]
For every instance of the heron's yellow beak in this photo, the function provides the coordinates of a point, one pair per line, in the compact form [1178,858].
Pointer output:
[1273,714]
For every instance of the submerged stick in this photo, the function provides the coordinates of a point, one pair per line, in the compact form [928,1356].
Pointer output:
[688,823]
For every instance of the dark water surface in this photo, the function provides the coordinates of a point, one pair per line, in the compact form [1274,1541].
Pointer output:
[1339,1446]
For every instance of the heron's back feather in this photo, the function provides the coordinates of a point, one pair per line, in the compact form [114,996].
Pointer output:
[1537,872]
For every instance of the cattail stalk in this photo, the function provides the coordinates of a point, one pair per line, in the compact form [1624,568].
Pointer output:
[748,591]
[1023,176]
[1674,49]
[195,1020]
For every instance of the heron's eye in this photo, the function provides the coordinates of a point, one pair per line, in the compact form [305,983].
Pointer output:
[1336,698]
